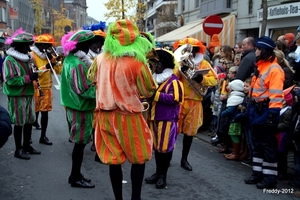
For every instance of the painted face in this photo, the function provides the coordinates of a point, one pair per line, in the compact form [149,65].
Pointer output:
[159,68]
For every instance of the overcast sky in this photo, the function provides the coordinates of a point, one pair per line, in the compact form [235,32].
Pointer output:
[96,9]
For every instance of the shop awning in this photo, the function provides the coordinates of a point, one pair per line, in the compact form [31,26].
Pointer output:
[195,30]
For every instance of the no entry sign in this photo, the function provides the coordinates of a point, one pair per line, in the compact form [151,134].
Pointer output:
[212,24]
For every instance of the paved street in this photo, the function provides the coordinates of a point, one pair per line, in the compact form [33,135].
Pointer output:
[44,177]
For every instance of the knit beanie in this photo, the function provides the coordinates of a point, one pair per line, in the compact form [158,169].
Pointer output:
[237,85]
[289,37]
[266,43]
[214,43]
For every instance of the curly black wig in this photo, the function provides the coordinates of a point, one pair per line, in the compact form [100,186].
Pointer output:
[166,58]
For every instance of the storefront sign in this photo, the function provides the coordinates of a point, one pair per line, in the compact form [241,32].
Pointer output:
[281,11]
[13,12]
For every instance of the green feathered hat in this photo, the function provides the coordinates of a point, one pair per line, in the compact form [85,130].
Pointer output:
[124,39]
[82,35]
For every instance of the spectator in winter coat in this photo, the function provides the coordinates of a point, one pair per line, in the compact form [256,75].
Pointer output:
[5,126]
[247,64]
[288,71]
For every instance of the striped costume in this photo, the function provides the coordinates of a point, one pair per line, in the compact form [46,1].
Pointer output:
[43,103]
[164,114]
[19,89]
[121,131]
[78,96]
[191,111]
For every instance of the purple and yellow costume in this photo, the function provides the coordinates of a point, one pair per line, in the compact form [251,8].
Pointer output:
[164,114]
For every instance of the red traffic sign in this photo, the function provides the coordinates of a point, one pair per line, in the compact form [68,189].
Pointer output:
[212,24]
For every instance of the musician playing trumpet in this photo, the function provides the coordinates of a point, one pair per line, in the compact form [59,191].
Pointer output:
[41,53]
[191,111]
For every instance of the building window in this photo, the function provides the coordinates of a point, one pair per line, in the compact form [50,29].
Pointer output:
[228,4]
[202,1]
[250,7]
[183,5]
[197,3]
[2,14]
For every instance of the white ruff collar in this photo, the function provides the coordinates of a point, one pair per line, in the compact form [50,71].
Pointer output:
[20,56]
[92,54]
[83,57]
[160,78]
[38,52]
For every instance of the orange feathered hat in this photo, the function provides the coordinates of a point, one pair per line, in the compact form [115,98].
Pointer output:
[45,38]
[192,41]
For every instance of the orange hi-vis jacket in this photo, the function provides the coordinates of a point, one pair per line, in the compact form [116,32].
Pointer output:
[268,84]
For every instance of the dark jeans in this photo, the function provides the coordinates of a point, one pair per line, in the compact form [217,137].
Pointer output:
[249,140]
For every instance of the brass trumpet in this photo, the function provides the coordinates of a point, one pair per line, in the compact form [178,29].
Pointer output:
[53,71]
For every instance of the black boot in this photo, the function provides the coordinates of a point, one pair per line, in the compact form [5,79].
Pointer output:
[187,143]
[36,124]
[26,140]
[165,159]
[44,122]
[154,177]
[137,175]
[116,177]
[77,179]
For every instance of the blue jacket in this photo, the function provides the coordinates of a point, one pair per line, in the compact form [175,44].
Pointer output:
[5,126]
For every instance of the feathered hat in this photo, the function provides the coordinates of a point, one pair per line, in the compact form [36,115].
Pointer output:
[98,29]
[45,38]
[70,40]
[124,39]
[20,36]
[192,41]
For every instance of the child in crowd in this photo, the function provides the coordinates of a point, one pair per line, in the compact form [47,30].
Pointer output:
[236,97]
[237,59]
[283,132]
[246,127]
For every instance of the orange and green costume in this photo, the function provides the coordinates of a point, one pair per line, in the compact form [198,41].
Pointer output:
[123,76]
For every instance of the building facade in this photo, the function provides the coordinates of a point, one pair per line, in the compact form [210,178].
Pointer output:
[160,17]
[76,10]
[20,14]
[241,18]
